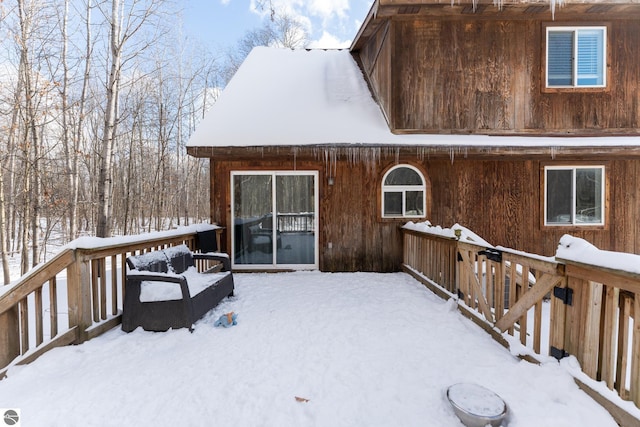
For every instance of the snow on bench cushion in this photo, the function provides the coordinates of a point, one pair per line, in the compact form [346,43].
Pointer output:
[154,291]
[155,261]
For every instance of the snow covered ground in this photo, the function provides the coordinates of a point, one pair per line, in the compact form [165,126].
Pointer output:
[310,349]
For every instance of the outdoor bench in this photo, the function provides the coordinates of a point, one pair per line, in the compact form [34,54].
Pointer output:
[164,290]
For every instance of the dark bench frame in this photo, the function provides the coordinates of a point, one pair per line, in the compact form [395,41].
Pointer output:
[167,266]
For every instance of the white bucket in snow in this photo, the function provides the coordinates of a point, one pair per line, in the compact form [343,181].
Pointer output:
[477,406]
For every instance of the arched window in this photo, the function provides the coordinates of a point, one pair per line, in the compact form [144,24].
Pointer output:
[403,193]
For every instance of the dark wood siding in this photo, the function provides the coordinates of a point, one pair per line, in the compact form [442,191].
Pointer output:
[486,76]
[349,212]
[376,61]
[500,199]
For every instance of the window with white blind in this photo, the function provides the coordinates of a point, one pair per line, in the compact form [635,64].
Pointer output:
[576,57]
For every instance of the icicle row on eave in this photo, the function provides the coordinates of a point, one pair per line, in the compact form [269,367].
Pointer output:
[500,3]
[372,156]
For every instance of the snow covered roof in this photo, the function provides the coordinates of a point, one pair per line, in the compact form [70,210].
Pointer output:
[284,97]
[294,97]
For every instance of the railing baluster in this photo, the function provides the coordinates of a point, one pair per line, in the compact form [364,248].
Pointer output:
[24,325]
[95,291]
[524,287]
[623,346]
[103,288]
[114,285]
[123,273]
[537,326]
[500,291]
[512,290]
[611,304]
[38,317]
[537,320]
[53,306]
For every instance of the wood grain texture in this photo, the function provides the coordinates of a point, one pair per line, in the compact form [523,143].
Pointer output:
[471,74]
[500,199]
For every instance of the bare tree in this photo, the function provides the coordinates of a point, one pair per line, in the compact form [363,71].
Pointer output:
[73,113]
[282,30]
[32,34]
[124,25]
[3,236]
[93,126]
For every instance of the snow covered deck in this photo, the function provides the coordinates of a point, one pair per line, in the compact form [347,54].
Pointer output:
[310,349]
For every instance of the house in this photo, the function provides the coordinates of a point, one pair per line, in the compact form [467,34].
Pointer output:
[518,120]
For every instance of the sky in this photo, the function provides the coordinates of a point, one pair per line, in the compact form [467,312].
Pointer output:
[221,23]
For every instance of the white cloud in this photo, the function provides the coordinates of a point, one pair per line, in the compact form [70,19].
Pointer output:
[326,9]
[357,23]
[328,21]
[329,41]
[322,9]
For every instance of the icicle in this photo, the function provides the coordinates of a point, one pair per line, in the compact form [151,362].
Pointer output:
[334,163]
[259,150]
[330,160]
[371,159]
[451,154]
[295,157]
[325,160]
[425,153]
[553,152]
[553,4]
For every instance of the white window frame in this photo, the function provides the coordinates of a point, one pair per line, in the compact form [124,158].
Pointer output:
[574,75]
[404,189]
[573,222]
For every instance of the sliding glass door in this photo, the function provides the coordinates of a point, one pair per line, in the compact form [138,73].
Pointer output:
[274,219]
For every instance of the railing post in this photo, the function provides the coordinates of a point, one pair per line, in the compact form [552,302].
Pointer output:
[79,294]
[558,323]
[9,336]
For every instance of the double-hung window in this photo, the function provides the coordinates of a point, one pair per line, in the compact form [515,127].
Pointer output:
[574,195]
[403,193]
[576,57]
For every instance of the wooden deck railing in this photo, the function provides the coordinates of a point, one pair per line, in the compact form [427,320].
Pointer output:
[599,326]
[75,296]
[551,306]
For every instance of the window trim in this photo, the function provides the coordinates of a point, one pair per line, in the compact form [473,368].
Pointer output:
[603,196]
[575,87]
[404,189]
[274,265]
